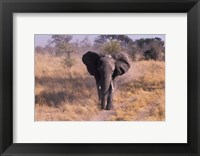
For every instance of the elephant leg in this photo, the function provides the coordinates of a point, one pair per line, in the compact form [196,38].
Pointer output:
[110,96]
[109,100]
[103,101]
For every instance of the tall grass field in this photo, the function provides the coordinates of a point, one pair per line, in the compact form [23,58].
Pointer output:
[63,94]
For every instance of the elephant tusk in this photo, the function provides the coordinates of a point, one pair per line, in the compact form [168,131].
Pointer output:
[112,86]
[109,56]
[99,87]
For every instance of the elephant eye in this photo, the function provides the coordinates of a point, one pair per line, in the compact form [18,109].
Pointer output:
[100,67]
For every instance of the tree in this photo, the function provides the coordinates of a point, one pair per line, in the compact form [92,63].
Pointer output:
[124,41]
[112,47]
[132,50]
[63,46]
[154,53]
[100,40]
[48,47]
[39,49]
[85,44]
[62,43]
[150,48]
[112,43]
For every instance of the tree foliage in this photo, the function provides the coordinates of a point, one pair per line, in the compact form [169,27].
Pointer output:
[112,43]
[85,44]
[148,48]
[63,46]
[111,47]
[140,49]
[62,43]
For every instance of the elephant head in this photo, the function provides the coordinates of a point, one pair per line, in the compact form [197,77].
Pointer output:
[105,69]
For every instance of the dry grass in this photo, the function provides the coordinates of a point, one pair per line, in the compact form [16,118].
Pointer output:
[62,96]
[142,94]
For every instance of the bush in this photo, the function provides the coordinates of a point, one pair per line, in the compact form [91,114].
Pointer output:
[111,47]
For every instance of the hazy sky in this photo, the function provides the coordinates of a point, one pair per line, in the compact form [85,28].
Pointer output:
[41,39]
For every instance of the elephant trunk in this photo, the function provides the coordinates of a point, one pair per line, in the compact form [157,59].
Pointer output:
[105,86]
[97,78]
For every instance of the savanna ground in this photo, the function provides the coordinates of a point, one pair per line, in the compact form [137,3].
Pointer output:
[63,95]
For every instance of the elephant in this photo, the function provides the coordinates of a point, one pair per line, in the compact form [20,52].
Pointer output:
[106,69]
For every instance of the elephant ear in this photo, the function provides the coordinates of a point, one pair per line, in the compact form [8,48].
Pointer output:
[91,59]
[122,64]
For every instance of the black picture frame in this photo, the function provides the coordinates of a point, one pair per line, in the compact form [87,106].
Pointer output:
[8,7]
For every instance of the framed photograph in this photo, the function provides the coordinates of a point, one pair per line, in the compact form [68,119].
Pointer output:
[102,77]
